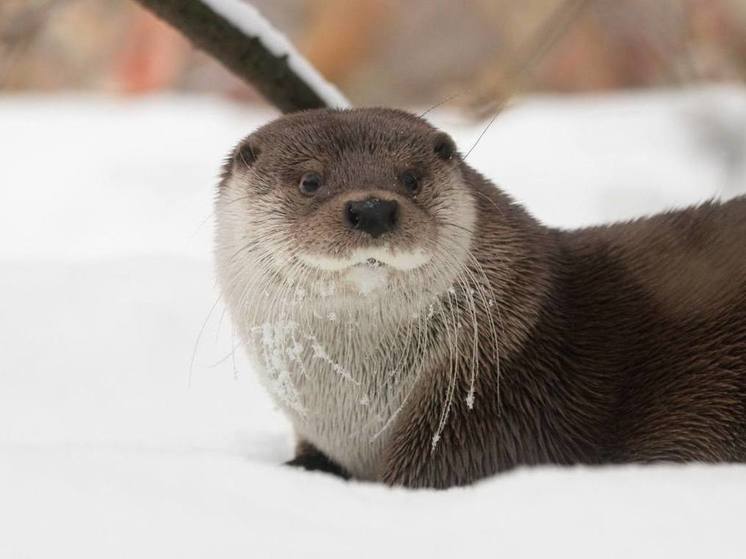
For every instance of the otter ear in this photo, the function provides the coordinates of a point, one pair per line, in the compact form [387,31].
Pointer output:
[444,147]
[245,155]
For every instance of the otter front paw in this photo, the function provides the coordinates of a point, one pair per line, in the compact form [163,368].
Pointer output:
[317,462]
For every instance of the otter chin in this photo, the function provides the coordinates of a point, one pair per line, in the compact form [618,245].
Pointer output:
[420,328]
[368,269]
[372,258]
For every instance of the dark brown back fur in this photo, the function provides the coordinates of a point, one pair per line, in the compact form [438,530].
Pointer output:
[637,352]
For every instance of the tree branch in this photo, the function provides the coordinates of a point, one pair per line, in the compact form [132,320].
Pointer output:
[237,36]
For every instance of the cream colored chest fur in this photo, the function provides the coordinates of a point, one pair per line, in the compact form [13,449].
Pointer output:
[341,385]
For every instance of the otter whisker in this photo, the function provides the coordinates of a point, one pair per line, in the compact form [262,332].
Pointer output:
[197,340]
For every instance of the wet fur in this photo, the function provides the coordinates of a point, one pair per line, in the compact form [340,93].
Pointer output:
[531,346]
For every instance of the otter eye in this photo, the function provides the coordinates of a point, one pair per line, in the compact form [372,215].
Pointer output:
[410,181]
[309,183]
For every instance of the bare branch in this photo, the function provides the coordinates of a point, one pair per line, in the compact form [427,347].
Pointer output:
[244,55]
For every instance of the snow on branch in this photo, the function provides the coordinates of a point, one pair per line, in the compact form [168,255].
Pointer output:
[241,39]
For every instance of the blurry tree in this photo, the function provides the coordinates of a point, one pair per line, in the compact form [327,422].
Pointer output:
[152,56]
[388,52]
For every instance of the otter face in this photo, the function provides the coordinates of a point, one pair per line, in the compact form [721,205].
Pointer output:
[366,201]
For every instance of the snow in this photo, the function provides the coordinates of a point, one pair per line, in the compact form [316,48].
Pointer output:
[108,450]
[247,18]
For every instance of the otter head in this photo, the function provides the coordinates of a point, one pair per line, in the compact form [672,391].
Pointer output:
[341,207]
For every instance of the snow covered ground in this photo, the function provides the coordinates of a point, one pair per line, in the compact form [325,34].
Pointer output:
[108,450]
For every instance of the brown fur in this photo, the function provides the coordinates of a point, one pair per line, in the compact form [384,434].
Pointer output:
[620,343]
[638,354]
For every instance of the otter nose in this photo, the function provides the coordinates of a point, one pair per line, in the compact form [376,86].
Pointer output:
[373,216]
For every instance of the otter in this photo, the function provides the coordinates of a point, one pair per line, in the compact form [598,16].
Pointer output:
[420,328]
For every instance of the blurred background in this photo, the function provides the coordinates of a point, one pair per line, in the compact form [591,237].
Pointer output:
[464,48]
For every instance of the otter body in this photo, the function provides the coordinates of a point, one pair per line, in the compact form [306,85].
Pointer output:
[420,328]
